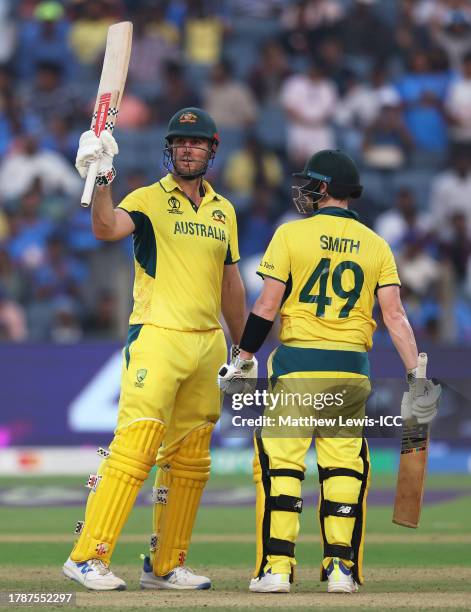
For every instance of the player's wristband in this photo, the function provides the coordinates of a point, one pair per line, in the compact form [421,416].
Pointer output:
[255,333]
[107,178]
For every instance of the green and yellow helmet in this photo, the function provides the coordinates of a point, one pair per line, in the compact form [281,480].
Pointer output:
[191,122]
[334,168]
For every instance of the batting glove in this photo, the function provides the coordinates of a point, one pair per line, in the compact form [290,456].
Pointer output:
[423,407]
[97,148]
[240,375]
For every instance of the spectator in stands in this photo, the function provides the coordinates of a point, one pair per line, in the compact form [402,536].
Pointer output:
[248,167]
[29,231]
[102,323]
[257,228]
[29,162]
[458,105]
[453,34]
[7,32]
[423,93]
[45,38]
[65,325]
[48,97]
[451,191]
[228,101]
[387,141]
[309,123]
[88,32]
[409,33]
[61,136]
[175,93]
[330,54]
[268,9]
[366,37]
[419,272]
[306,22]
[60,273]
[12,320]
[434,13]
[11,280]
[155,42]
[134,112]
[203,33]
[456,245]
[267,76]
[397,225]
[360,103]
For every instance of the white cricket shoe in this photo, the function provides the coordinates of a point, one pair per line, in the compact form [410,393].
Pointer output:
[93,574]
[270,583]
[180,578]
[340,579]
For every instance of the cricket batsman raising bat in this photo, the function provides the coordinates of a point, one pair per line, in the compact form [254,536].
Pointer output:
[186,275]
[110,92]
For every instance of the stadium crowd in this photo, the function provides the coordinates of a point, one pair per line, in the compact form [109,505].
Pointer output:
[389,81]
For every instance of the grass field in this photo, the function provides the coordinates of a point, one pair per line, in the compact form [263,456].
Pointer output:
[424,569]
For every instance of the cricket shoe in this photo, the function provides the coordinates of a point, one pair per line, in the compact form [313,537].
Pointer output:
[270,583]
[180,578]
[340,579]
[93,574]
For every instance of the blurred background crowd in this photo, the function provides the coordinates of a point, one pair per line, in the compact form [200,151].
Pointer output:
[389,81]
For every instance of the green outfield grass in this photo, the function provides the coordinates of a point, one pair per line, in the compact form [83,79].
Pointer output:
[428,568]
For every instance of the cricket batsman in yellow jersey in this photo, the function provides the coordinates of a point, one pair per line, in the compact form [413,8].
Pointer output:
[185,254]
[323,272]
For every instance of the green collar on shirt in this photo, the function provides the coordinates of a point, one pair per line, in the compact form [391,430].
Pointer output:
[169,184]
[335,211]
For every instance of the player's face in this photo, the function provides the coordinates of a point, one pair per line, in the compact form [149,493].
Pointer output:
[190,154]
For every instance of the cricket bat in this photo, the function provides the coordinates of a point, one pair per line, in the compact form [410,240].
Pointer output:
[413,462]
[110,91]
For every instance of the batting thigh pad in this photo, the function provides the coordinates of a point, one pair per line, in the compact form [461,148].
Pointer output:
[342,505]
[177,495]
[132,455]
[278,503]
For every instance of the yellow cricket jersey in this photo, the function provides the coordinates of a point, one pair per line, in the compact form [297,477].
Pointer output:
[179,255]
[331,265]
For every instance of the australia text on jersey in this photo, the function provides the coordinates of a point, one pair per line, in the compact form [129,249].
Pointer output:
[199,229]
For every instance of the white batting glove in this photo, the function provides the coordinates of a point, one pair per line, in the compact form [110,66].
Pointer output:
[423,407]
[93,148]
[240,375]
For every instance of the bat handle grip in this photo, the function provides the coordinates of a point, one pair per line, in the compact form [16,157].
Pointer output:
[421,373]
[89,184]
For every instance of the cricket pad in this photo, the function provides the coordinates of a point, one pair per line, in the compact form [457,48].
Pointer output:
[177,496]
[132,455]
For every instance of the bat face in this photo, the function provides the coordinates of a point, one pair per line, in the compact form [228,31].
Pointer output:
[113,77]
[110,90]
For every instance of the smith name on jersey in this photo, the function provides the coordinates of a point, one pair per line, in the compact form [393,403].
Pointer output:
[332,265]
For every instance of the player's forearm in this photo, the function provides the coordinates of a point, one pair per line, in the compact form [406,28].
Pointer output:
[103,217]
[233,308]
[402,336]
